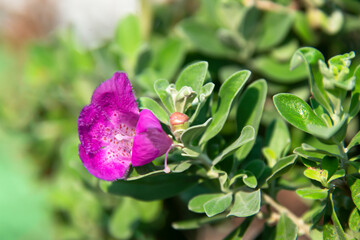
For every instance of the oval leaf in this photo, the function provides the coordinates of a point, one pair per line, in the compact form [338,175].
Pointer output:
[247,135]
[311,57]
[160,89]
[192,76]
[153,106]
[193,132]
[152,187]
[254,96]
[246,204]
[217,205]
[227,93]
[196,204]
[296,111]
[286,229]
[312,193]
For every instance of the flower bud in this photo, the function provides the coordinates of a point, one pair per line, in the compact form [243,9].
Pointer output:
[178,123]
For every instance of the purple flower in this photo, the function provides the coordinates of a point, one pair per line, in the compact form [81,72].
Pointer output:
[113,134]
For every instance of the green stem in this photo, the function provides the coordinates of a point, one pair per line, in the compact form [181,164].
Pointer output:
[205,160]
[344,158]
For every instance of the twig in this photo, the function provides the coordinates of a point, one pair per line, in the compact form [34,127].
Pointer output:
[302,226]
[269,5]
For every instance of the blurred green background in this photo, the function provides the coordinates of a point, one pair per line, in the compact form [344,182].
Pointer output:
[50,65]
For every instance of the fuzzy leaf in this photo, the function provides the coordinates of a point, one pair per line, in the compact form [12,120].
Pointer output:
[154,107]
[150,188]
[296,112]
[311,56]
[285,229]
[196,223]
[160,88]
[247,135]
[196,204]
[354,220]
[312,193]
[354,141]
[227,93]
[192,76]
[217,205]
[282,166]
[246,204]
[193,132]
[254,96]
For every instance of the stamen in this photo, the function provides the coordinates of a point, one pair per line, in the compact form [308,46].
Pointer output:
[123,137]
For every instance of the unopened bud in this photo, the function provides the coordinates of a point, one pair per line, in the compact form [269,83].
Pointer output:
[178,118]
[179,123]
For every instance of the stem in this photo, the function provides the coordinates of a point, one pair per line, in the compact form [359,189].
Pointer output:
[205,160]
[344,158]
[303,227]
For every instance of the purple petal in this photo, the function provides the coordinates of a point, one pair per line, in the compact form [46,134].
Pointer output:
[94,128]
[105,164]
[150,140]
[105,148]
[116,93]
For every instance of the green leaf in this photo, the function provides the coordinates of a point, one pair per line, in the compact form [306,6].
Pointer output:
[205,92]
[196,223]
[335,133]
[217,205]
[254,96]
[160,87]
[303,28]
[354,141]
[120,226]
[247,135]
[312,193]
[204,38]
[278,71]
[190,134]
[152,187]
[270,156]
[277,140]
[313,174]
[355,190]
[313,156]
[311,56]
[123,227]
[192,76]
[196,204]
[282,166]
[276,25]
[247,177]
[169,58]
[354,220]
[338,228]
[330,164]
[309,148]
[259,169]
[227,93]
[329,232]
[128,36]
[338,174]
[246,204]
[296,111]
[355,95]
[286,229]
[155,108]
